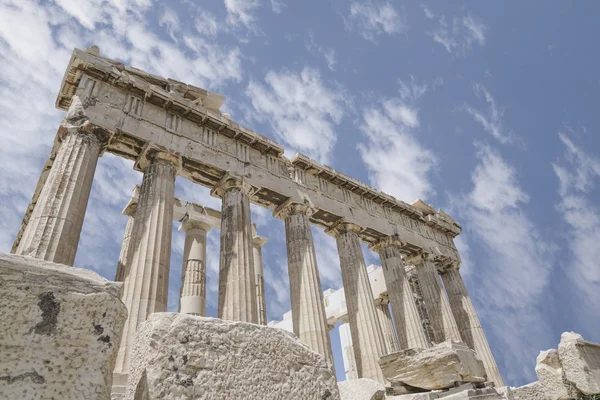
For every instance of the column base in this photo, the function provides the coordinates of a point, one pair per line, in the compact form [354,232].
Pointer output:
[192,305]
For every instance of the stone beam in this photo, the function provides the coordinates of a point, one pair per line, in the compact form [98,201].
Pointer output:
[145,112]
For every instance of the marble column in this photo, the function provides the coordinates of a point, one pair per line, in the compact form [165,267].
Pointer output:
[367,338]
[124,256]
[146,284]
[237,283]
[306,296]
[348,352]
[53,230]
[438,308]
[261,302]
[193,271]
[387,327]
[469,324]
[404,309]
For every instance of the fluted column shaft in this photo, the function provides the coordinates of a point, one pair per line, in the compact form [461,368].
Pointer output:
[347,352]
[261,302]
[367,338]
[146,280]
[237,291]
[387,328]
[193,271]
[469,324]
[53,230]
[438,308]
[306,296]
[404,309]
[125,255]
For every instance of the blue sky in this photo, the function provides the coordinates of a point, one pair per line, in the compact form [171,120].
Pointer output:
[487,110]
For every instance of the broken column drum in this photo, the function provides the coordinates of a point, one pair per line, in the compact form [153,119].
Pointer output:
[193,273]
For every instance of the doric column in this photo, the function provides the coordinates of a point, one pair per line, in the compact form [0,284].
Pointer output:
[193,271]
[387,327]
[438,308]
[306,296]
[367,338]
[124,256]
[237,291]
[348,352]
[261,303]
[147,281]
[468,323]
[53,230]
[404,309]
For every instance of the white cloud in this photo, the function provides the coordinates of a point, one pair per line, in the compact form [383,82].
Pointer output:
[300,109]
[513,262]
[326,52]
[277,6]
[372,18]
[397,163]
[459,36]
[491,121]
[579,175]
[242,13]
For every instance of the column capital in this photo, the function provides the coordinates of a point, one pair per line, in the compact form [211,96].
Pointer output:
[291,207]
[132,204]
[258,240]
[154,155]
[386,242]
[77,122]
[341,227]
[188,224]
[229,182]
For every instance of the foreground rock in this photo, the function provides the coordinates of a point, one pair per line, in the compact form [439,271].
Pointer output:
[570,372]
[60,332]
[179,356]
[438,367]
[361,389]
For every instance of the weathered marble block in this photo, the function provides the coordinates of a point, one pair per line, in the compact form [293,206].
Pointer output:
[361,389]
[580,360]
[551,377]
[61,328]
[179,356]
[437,367]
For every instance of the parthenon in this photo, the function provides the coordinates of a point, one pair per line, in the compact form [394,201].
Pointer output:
[170,129]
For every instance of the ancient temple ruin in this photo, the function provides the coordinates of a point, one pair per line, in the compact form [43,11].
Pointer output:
[169,129]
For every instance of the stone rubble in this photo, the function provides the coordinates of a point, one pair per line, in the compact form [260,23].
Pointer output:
[438,367]
[179,356]
[361,389]
[60,332]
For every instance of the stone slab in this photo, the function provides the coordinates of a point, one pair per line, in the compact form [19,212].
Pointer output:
[179,356]
[438,367]
[361,389]
[550,375]
[61,328]
[580,360]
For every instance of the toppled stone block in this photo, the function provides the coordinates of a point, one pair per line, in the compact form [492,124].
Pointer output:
[361,389]
[61,328]
[531,391]
[550,375]
[438,367]
[580,362]
[179,356]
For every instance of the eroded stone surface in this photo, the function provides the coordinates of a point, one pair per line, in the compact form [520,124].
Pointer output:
[61,328]
[437,367]
[550,374]
[580,361]
[361,389]
[178,356]
[531,391]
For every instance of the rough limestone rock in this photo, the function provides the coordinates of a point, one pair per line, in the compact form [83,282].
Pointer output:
[361,389]
[550,375]
[61,328]
[580,362]
[438,367]
[531,391]
[179,356]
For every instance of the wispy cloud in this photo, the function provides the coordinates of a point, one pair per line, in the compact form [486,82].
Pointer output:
[372,18]
[459,35]
[301,110]
[397,163]
[578,176]
[513,252]
[327,53]
[491,119]
[242,12]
